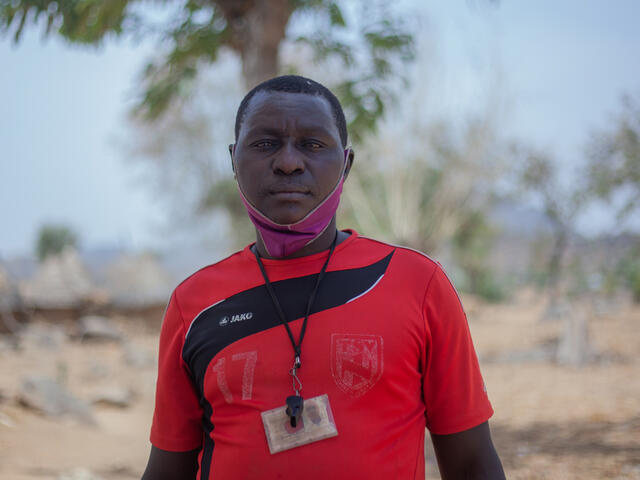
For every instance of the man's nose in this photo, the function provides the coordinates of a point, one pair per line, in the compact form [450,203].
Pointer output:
[288,160]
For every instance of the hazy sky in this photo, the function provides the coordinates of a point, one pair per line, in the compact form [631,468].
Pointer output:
[563,68]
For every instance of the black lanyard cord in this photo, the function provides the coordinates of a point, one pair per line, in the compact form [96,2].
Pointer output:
[297,347]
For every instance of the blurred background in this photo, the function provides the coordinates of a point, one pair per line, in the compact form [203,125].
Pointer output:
[501,138]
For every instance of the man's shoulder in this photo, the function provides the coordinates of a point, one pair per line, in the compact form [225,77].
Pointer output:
[213,273]
[401,253]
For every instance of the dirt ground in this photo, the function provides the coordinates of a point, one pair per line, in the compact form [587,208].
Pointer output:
[551,421]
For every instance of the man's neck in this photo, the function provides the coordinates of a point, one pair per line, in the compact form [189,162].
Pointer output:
[320,244]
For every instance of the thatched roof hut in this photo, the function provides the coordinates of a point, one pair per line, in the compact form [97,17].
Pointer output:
[61,282]
[137,281]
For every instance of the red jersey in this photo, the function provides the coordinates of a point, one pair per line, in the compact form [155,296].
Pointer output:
[387,340]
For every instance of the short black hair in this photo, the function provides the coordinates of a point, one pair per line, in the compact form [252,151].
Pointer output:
[295,84]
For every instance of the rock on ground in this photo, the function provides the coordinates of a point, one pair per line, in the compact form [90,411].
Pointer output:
[44,336]
[49,397]
[114,396]
[96,328]
[79,474]
[136,356]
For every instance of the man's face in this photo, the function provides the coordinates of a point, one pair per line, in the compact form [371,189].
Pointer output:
[288,156]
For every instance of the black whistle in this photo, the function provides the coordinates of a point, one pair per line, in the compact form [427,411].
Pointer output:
[295,405]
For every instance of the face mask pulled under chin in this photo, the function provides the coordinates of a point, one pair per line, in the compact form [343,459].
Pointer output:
[282,240]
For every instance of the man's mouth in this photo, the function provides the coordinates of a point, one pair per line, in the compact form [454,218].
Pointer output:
[289,190]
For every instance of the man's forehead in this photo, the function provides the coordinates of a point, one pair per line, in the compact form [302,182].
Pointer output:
[310,110]
[269,97]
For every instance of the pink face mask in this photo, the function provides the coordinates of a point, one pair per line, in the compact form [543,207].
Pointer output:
[281,240]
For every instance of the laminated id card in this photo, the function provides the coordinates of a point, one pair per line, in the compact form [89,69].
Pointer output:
[316,424]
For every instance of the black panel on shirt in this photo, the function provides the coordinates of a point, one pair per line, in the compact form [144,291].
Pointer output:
[222,324]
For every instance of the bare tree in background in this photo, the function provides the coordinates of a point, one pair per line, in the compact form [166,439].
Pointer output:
[614,176]
[539,179]
[561,205]
[614,159]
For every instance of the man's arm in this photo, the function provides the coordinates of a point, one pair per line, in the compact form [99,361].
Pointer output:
[164,465]
[468,455]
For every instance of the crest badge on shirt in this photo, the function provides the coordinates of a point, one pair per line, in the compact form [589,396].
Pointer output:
[357,362]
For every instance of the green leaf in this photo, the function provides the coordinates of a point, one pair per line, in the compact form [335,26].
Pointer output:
[20,26]
[335,15]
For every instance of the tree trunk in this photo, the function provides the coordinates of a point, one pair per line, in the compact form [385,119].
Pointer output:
[555,271]
[257,28]
[574,347]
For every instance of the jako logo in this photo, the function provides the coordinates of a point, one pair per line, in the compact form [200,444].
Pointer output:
[235,318]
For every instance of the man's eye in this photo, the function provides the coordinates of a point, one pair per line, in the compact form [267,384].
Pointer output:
[313,145]
[263,144]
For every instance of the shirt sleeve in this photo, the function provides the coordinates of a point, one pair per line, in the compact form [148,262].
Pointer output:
[454,392]
[177,418]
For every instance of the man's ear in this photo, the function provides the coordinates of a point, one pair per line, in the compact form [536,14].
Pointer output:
[349,160]
[232,149]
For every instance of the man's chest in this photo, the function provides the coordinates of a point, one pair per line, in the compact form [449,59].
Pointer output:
[356,338]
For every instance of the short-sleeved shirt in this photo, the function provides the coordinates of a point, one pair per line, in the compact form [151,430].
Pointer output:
[387,341]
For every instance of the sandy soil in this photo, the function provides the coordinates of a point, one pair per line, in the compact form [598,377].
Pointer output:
[551,421]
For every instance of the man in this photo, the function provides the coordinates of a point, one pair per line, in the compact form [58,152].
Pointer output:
[313,353]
